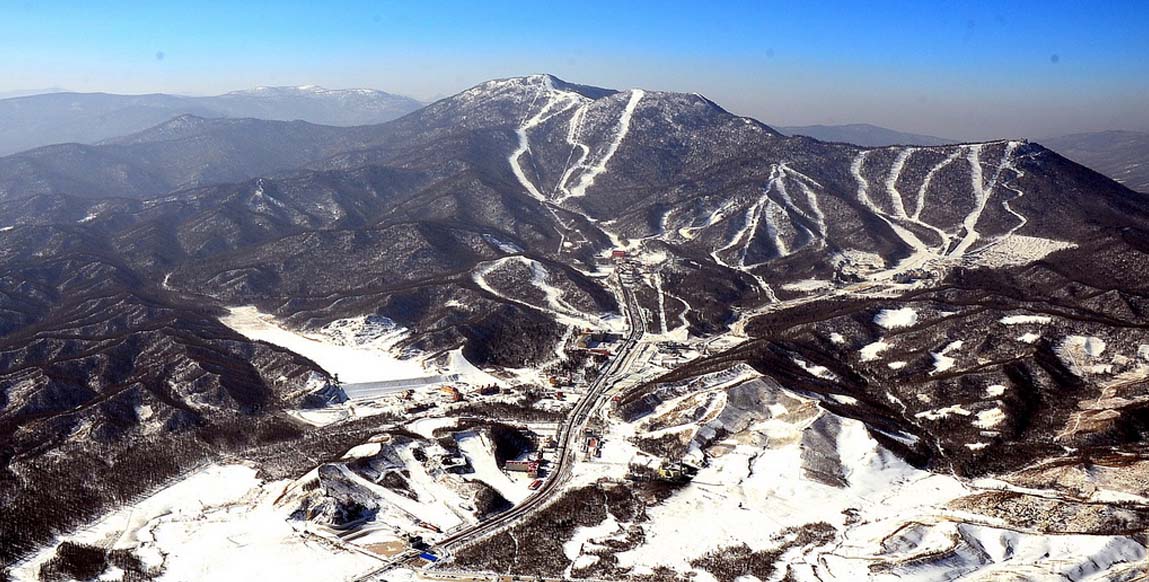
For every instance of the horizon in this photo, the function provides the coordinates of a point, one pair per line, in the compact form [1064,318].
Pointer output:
[969,71]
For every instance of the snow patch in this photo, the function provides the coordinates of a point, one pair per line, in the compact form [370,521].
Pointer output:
[870,351]
[896,318]
[1022,319]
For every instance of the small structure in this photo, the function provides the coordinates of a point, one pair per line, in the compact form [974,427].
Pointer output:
[676,471]
[531,468]
[452,393]
[592,447]
[454,463]
[618,255]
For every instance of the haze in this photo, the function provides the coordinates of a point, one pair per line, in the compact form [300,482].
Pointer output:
[964,70]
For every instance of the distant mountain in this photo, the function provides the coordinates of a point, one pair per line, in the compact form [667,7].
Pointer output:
[314,104]
[864,134]
[86,118]
[184,152]
[27,92]
[1121,155]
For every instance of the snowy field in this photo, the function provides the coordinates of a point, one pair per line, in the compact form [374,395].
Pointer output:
[337,351]
[885,514]
[220,523]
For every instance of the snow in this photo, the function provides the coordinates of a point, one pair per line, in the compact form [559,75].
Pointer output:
[807,285]
[6,228]
[921,199]
[1078,352]
[220,523]
[587,179]
[989,418]
[814,370]
[544,113]
[751,493]
[896,318]
[896,365]
[363,451]
[573,547]
[942,361]
[1017,250]
[1092,346]
[870,351]
[336,351]
[505,246]
[481,454]
[940,413]
[426,427]
[555,304]
[981,197]
[1022,319]
[837,338]
[1028,337]
[995,390]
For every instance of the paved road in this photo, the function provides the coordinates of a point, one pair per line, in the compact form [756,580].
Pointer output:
[570,436]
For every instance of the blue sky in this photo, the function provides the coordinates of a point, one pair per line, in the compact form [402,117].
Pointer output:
[957,69]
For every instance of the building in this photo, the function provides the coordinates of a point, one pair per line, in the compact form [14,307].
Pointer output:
[454,464]
[618,254]
[531,468]
[452,393]
[676,471]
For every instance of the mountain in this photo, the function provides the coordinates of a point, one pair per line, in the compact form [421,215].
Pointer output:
[87,118]
[954,332]
[864,134]
[341,107]
[1121,155]
[183,152]
[27,92]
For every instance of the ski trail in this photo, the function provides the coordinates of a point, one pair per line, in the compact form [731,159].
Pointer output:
[524,139]
[898,203]
[573,133]
[687,232]
[554,295]
[1021,219]
[892,182]
[750,212]
[682,315]
[586,180]
[982,193]
[556,306]
[907,236]
[921,202]
[661,301]
[796,215]
[811,198]
[751,222]
[769,221]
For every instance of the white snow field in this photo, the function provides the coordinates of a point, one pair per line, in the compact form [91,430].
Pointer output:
[891,521]
[220,523]
[352,350]
[896,318]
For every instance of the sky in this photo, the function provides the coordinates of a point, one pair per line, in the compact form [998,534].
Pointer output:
[962,70]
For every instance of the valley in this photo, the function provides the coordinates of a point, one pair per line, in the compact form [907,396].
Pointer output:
[544,329]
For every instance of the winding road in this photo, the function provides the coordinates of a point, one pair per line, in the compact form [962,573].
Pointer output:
[567,452]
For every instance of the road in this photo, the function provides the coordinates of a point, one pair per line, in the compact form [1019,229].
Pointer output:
[569,439]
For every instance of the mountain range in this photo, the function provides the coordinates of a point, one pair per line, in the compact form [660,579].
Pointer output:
[977,309]
[63,117]
[864,134]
